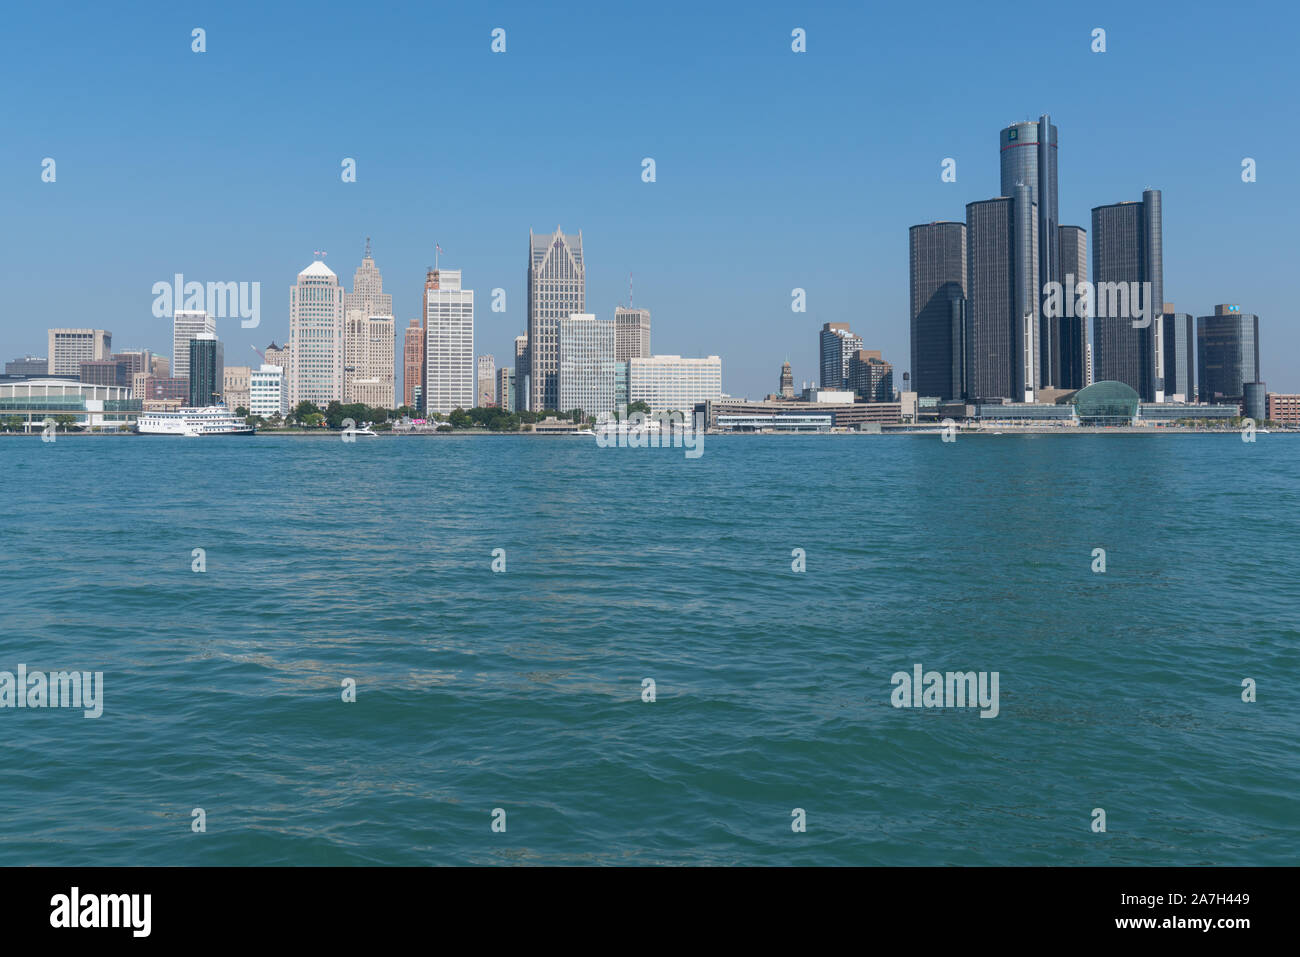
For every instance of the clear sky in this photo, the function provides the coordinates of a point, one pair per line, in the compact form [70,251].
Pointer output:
[775,170]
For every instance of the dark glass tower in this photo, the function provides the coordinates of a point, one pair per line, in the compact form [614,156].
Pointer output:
[207,370]
[1028,158]
[1072,330]
[1001,355]
[1227,350]
[937,255]
[1127,248]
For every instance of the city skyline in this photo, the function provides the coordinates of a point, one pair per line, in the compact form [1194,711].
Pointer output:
[262,205]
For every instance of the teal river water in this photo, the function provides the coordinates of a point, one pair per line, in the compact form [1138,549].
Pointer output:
[522,690]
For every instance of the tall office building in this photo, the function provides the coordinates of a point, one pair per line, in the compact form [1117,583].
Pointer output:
[672,383]
[316,337]
[206,370]
[369,367]
[69,348]
[137,360]
[105,372]
[871,378]
[1227,353]
[632,333]
[506,388]
[1087,366]
[487,386]
[557,289]
[1072,331]
[1002,349]
[1127,248]
[186,325]
[413,365]
[276,355]
[1028,158]
[586,364]
[787,381]
[836,342]
[1179,334]
[369,372]
[937,266]
[449,366]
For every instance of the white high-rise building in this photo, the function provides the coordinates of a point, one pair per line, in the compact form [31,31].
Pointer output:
[586,374]
[187,325]
[69,348]
[268,391]
[367,296]
[632,333]
[671,383]
[450,370]
[557,289]
[316,337]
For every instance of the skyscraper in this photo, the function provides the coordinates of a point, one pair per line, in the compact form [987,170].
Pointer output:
[487,371]
[520,375]
[1227,352]
[413,365]
[1072,330]
[69,348]
[937,263]
[1028,158]
[557,289]
[836,343]
[1002,326]
[870,377]
[586,372]
[206,370]
[450,370]
[787,381]
[367,296]
[1179,335]
[369,333]
[316,337]
[1127,249]
[186,324]
[632,333]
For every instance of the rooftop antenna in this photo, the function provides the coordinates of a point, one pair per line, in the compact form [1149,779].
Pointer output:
[319,253]
[367,247]
[629,290]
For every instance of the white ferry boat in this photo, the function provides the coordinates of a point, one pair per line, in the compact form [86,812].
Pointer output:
[209,420]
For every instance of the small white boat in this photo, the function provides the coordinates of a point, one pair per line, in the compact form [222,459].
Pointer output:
[365,430]
[585,432]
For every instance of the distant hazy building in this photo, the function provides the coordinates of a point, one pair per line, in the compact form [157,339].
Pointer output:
[871,378]
[787,381]
[367,297]
[1028,158]
[235,384]
[450,371]
[277,356]
[186,325]
[1127,248]
[413,365]
[1178,334]
[268,391]
[1254,400]
[521,373]
[28,366]
[160,367]
[69,348]
[1087,365]
[836,343]
[104,372]
[207,370]
[937,266]
[586,364]
[557,289]
[487,387]
[672,383]
[165,389]
[316,337]
[1227,353]
[1002,327]
[632,333]
[1072,331]
[506,388]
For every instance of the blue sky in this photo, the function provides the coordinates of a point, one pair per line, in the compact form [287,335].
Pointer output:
[775,170]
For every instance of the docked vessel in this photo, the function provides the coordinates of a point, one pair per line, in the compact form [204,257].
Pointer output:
[209,420]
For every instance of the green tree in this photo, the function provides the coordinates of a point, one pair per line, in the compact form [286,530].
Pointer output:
[304,409]
[241,411]
[460,419]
